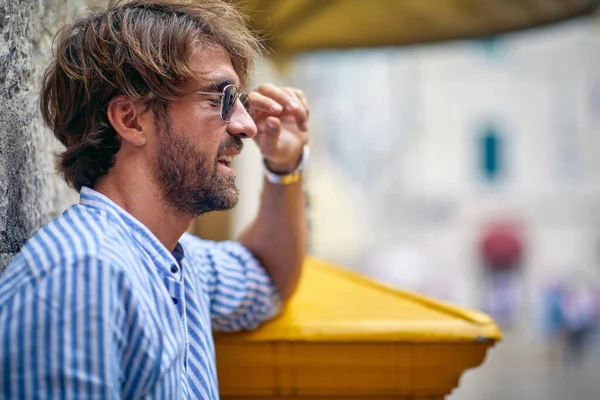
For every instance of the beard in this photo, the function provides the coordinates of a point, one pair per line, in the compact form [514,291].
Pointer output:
[189,178]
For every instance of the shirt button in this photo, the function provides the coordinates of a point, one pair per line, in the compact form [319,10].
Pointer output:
[175,301]
[174,268]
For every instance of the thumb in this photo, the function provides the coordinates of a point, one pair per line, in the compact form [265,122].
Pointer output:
[273,127]
[271,138]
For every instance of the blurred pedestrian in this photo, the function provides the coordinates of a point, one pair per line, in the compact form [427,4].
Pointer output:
[501,252]
[580,315]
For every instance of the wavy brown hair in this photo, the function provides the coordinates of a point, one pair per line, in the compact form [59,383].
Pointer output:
[140,49]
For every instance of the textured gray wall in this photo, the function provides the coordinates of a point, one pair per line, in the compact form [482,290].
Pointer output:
[31,194]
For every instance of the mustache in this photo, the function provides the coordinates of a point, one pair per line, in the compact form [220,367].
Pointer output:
[233,144]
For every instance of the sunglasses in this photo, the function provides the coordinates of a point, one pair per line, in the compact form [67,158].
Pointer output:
[229,97]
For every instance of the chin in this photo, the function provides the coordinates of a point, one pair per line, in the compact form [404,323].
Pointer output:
[225,200]
[232,198]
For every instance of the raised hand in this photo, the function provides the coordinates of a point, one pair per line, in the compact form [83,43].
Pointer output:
[281,117]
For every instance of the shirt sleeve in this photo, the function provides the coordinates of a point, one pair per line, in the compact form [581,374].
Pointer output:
[241,292]
[64,334]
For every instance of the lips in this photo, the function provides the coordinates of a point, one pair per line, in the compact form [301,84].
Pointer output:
[228,150]
[226,159]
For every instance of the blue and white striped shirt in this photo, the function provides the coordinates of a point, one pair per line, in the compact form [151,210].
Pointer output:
[94,306]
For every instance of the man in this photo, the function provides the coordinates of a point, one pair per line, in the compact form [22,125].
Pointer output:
[113,299]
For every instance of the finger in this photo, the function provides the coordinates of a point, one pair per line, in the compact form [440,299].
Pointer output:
[302,98]
[263,103]
[270,139]
[273,127]
[285,98]
[300,114]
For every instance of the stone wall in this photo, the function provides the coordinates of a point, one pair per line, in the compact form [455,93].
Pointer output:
[31,194]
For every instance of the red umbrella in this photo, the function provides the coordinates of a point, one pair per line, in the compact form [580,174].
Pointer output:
[502,246]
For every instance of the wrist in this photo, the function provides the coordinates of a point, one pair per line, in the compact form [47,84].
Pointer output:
[283,168]
[286,173]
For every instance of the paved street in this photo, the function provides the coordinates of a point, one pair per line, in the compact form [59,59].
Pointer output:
[518,370]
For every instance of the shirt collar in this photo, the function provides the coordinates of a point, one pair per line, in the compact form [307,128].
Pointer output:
[90,198]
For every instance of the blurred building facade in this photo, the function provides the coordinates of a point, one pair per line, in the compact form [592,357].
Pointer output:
[416,150]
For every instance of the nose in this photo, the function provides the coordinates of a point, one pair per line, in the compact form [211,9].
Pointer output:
[241,123]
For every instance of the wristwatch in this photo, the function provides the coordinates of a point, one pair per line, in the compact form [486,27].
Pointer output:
[292,177]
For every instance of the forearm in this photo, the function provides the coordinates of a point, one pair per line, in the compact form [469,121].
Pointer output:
[278,235]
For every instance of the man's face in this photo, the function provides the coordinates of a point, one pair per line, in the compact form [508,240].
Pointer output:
[194,147]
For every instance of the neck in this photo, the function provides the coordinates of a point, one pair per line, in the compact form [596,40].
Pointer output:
[142,198]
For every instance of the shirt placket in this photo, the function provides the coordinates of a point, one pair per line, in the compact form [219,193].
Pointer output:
[175,286]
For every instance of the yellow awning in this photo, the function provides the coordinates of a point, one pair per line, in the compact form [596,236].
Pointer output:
[292,26]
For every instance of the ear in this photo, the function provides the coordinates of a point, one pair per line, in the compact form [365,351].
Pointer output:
[132,121]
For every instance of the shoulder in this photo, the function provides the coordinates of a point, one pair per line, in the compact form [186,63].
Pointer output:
[81,239]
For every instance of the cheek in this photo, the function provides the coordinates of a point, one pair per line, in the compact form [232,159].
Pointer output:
[204,131]
[210,133]
[208,141]
[202,127]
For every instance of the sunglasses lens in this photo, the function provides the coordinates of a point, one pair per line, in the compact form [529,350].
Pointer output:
[245,99]
[230,94]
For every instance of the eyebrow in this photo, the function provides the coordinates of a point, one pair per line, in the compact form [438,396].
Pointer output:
[217,86]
